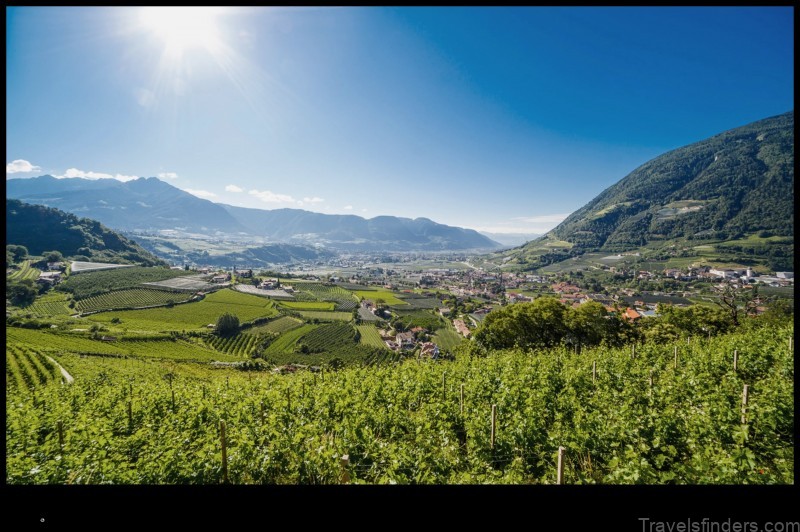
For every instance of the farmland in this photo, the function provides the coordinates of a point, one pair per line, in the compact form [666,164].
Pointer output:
[98,282]
[631,421]
[326,316]
[307,305]
[277,326]
[25,271]
[374,295]
[130,298]
[192,315]
[50,304]
[369,336]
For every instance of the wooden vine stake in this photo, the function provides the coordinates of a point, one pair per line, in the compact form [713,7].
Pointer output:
[60,434]
[344,463]
[130,417]
[444,386]
[735,359]
[494,425]
[744,403]
[224,451]
[461,400]
[790,344]
[594,371]
[633,352]
[676,358]
[560,473]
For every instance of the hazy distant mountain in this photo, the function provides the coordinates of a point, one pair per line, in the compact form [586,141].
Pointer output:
[511,239]
[354,233]
[733,184]
[149,204]
[42,229]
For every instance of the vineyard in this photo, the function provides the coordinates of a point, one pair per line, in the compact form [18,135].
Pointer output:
[374,295]
[326,316]
[369,336]
[28,369]
[344,301]
[241,345]
[130,298]
[662,414]
[50,304]
[25,271]
[286,342]
[447,339]
[277,326]
[307,305]
[91,284]
[192,315]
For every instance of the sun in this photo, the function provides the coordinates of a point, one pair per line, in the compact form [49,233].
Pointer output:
[183,28]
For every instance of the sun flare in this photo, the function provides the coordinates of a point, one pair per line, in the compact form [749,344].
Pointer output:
[183,28]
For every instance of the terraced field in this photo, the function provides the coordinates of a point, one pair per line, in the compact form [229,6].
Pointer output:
[131,298]
[50,304]
[370,336]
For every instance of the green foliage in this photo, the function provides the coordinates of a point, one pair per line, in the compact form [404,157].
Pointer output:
[399,424]
[131,298]
[21,293]
[41,228]
[227,325]
[18,253]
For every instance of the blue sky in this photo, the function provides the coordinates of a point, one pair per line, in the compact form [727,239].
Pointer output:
[498,119]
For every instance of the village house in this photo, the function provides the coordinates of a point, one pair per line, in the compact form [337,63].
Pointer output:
[462,328]
[405,340]
[55,266]
[49,278]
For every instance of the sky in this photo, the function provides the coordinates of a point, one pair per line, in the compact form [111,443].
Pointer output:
[497,119]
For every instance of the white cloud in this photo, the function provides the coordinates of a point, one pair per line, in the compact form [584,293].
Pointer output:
[233,188]
[313,200]
[348,207]
[268,196]
[200,193]
[363,210]
[74,172]
[21,165]
[168,175]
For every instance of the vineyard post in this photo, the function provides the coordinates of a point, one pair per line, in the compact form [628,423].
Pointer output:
[676,357]
[315,380]
[288,399]
[594,371]
[461,400]
[344,463]
[633,352]
[688,340]
[494,421]
[60,434]
[303,389]
[130,417]
[560,471]
[744,403]
[444,386]
[651,379]
[224,444]
[735,359]
[790,344]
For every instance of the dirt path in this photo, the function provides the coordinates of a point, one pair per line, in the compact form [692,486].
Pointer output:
[64,373]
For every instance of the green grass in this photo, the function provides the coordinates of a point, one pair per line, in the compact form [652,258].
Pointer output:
[308,305]
[195,315]
[370,336]
[388,297]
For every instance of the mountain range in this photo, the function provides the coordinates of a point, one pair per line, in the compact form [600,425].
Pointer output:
[149,204]
[734,185]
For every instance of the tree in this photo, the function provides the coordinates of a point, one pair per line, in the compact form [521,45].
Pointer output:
[21,293]
[52,256]
[227,325]
[19,252]
[737,302]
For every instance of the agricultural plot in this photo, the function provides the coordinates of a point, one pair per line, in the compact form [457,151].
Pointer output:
[343,299]
[447,339]
[50,304]
[326,316]
[277,326]
[192,315]
[369,336]
[189,283]
[287,341]
[307,305]
[240,345]
[408,423]
[374,295]
[272,294]
[130,299]
[161,348]
[25,271]
[323,345]
[27,369]
[98,282]
[79,266]
[422,302]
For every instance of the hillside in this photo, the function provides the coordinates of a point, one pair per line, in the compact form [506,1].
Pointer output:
[733,185]
[41,229]
[149,204]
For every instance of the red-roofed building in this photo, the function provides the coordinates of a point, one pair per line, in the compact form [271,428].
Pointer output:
[631,314]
